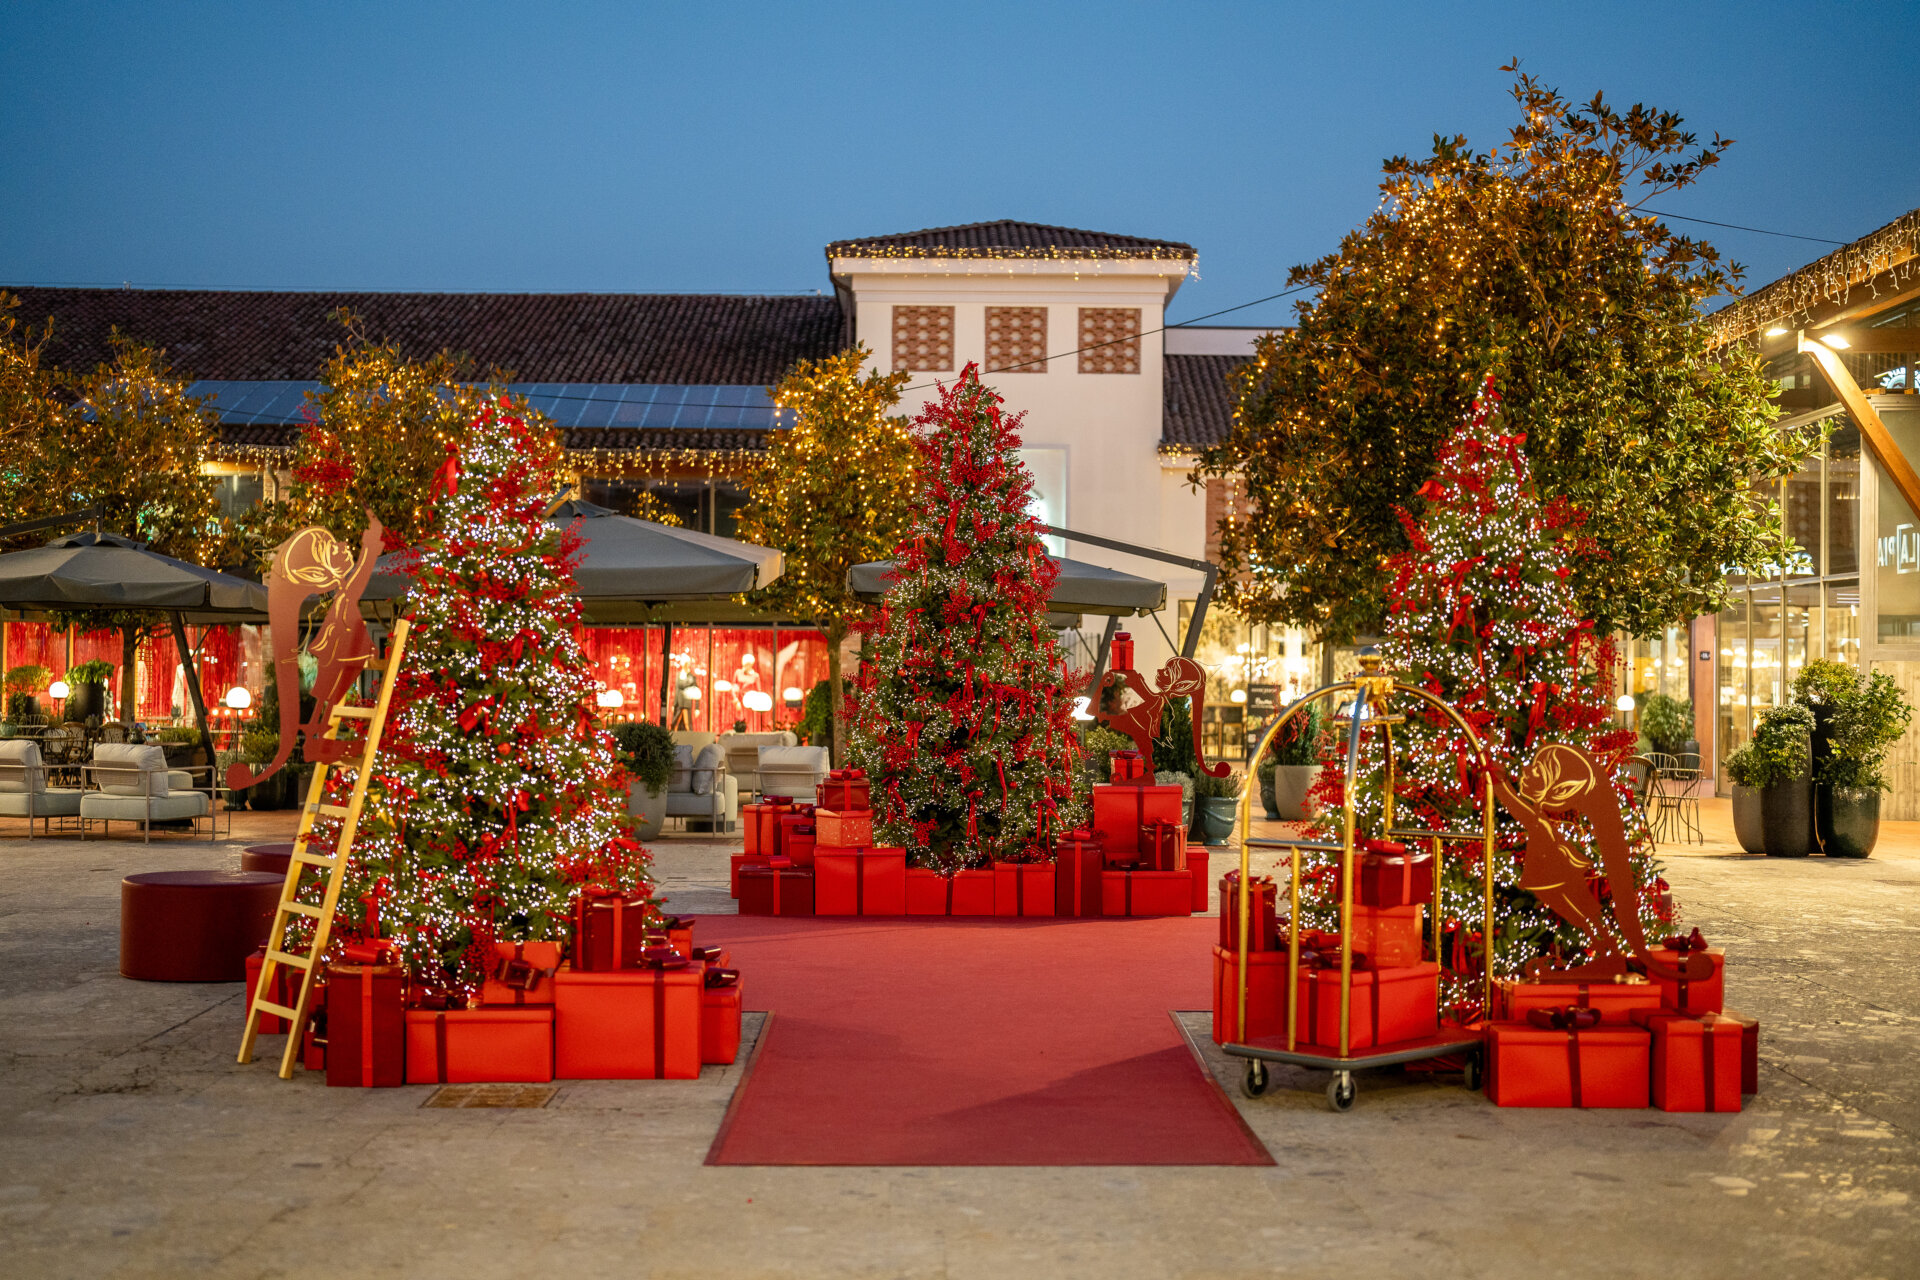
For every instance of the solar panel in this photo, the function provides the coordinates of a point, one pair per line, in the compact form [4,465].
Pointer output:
[569,404]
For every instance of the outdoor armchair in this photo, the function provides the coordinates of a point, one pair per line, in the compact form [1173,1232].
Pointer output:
[792,771]
[24,792]
[135,785]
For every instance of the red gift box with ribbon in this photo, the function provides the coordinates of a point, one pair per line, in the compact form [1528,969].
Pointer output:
[521,974]
[609,931]
[1122,657]
[720,1017]
[776,891]
[1162,846]
[1198,856]
[1078,861]
[1391,875]
[1749,1050]
[1262,912]
[679,931]
[845,790]
[1567,1058]
[1708,995]
[1266,1006]
[1387,1004]
[285,990]
[1119,812]
[1696,1060]
[859,881]
[964,893]
[927,892]
[1023,889]
[798,836]
[1390,935]
[1616,1001]
[842,829]
[638,1024]
[366,1025]
[971,892]
[761,823]
[1146,893]
[1127,766]
[479,1046]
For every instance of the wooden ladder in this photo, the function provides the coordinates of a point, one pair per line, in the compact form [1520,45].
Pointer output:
[334,863]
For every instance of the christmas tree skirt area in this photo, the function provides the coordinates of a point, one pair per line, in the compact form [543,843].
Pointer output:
[990,1042]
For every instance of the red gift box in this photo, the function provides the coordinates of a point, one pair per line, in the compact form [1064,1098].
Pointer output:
[1386,1005]
[1707,995]
[1120,812]
[479,1046]
[761,823]
[1616,1001]
[1266,1007]
[1078,862]
[1023,889]
[1197,859]
[1162,846]
[1392,875]
[1146,893]
[522,974]
[845,789]
[1127,766]
[972,893]
[927,892]
[1390,936]
[860,882]
[720,1024]
[776,891]
[285,990]
[1262,908]
[366,1025]
[679,931]
[639,1024]
[798,835]
[1697,1060]
[842,829]
[1598,1066]
[1749,1050]
[313,1041]
[609,932]
[1122,652]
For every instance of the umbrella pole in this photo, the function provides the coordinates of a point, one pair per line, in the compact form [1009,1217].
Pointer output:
[188,661]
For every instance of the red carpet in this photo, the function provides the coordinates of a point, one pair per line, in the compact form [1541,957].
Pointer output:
[1019,1042]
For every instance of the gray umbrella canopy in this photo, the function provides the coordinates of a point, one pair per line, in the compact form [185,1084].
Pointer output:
[105,571]
[636,563]
[1080,588]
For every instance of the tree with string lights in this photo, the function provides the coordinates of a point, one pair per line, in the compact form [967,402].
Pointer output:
[964,713]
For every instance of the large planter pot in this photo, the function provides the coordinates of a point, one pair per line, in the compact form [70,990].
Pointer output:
[1847,820]
[1786,819]
[1747,828]
[648,809]
[85,700]
[1267,799]
[1217,815]
[1291,782]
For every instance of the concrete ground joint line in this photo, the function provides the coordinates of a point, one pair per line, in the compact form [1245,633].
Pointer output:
[1838,1101]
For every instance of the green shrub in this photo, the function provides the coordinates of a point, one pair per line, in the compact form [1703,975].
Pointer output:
[1667,722]
[1864,717]
[1099,741]
[646,749]
[26,678]
[1217,788]
[816,713]
[259,745]
[1173,749]
[98,671]
[1779,751]
[1299,743]
[178,735]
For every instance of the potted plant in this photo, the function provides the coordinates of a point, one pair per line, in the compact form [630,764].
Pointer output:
[1174,778]
[1264,772]
[1296,764]
[1218,803]
[87,690]
[183,747]
[258,746]
[816,716]
[22,683]
[1668,725]
[646,749]
[1856,720]
[1773,785]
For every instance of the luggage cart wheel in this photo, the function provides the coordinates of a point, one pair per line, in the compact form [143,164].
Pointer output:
[1254,1083]
[1340,1091]
[1470,1074]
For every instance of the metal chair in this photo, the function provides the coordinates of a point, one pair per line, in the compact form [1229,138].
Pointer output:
[1676,809]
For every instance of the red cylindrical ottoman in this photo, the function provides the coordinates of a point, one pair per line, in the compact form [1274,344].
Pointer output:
[194,926]
[267,857]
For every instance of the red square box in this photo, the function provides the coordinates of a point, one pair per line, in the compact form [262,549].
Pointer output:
[1387,936]
[927,892]
[1529,1066]
[797,836]
[367,1025]
[1146,893]
[1078,862]
[1023,889]
[1262,912]
[1697,1060]
[1127,766]
[860,882]
[1386,1005]
[639,1024]
[1198,856]
[972,893]
[1162,846]
[1266,1005]
[843,829]
[479,1046]
[1119,812]
[720,1024]
[776,891]
[522,974]
[608,932]
[761,823]
[1749,1051]
[1708,995]
[1616,1001]
[1396,879]
[844,794]
[285,990]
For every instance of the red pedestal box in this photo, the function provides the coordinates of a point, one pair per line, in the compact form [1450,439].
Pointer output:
[972,893]
[1529,1066]
[1023,889]
[608,933]
[1387,1005]
[776,891]
[843,829]
[1146,893]
[1697,1060]
[1708,995]
[640,1024]
[859,882]
[1616,1001]
[1749,1051]
[522,974]
[1395,879]
[1262,929]
[285,990]
[1078,863]
[1119,812]
[1266,1006]
[1197,859]
[927,892]
[720,1024]
[1388,936]
[479,1046]
[844,790]
[366,1025]
[797,836]
[1162,846]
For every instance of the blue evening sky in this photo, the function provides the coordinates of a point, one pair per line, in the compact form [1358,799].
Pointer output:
[717,148]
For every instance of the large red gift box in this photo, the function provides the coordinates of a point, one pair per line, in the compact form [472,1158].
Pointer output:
[609,932]
[1708,995]
[859,882]
[521,974]
[972,893]
[1387,1005]
[761,823]
[797,836]
[1266,1008]
[1697,1060]
[1162,846]
[1127,766]
[1616,1001]
[639,1024]
[1391,875]
[845,789]
[1262,929]
[965,893]
[1601,1066]
[1146,893]
[1119,813]
[1197,859]
[1023,889]
[776,891]
[926,892]
[720,1024]
[1388,936]
[1078,862]
[285,990]
[366,1025]
[842,828]
[479,1046]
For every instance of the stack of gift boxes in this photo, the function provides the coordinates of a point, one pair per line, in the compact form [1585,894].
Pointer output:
[630,998]
[1146,866]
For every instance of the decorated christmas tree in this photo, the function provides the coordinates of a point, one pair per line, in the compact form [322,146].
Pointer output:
[1481,616]
[963,716]
[496,795]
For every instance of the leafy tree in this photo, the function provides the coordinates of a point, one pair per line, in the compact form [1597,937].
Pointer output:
[1537,260]
[834,491]
[32,412]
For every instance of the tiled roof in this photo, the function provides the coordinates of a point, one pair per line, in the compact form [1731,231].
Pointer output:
[538,337]
[1198,408]
[264,435]
[1007,239]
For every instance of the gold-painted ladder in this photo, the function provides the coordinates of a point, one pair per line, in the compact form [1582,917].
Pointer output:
[334,864]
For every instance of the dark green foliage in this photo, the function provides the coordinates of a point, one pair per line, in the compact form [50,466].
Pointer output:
[1779,751]
[816,713]
[1856,720]
[1173,749]
[1667,722]
[646,749]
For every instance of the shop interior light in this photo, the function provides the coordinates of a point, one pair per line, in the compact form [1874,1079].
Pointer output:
[238,698]
[723,686]
[58,689]
[1624,702]
[1835,341]
[1238,695]
[610,699]
[757,700]
[792,694]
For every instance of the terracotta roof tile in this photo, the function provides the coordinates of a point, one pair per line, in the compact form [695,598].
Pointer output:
[1006,239]
[1198,403]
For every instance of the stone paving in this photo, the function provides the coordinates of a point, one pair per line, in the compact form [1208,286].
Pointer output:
[131,1144]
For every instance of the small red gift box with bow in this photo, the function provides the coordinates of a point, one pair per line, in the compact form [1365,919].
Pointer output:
[798,835]
[841,829]
[1262,908]
[1391,875]
[609,931]
[720,1016]
[1078,860]
[366,1025]
[1127,765]
[521,974]
[1023,889]
[1705,995]
[1162,846]
[845,790]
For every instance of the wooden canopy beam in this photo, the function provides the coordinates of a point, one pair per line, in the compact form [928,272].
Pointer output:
[1872,430]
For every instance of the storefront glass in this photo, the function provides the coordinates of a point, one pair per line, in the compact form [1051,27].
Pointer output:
[1897,544]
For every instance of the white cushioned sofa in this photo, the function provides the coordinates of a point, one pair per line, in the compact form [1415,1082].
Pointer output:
[135,785]
[700,788]
[792,771]
[743,755]
[24,792]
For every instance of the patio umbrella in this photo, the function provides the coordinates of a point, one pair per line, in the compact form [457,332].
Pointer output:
[1080,588]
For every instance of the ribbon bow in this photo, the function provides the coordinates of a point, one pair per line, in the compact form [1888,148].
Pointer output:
[1571,1018]
[718,977]
[1694,941]
[662,958]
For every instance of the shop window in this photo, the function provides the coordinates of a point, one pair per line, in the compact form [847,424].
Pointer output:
[923,338]
[1802,506]
[1843,622]
[1843,500]
[1732,698]
[1016,339]
[1897,544]
[239,494]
